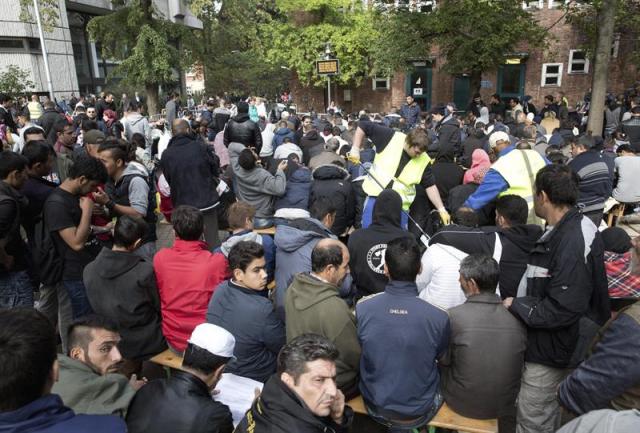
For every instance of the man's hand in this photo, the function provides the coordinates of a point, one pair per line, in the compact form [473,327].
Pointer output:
[86,204]
[137,384]
[337,408]
[101,197]
[444,216]
[507,302]
[354,156]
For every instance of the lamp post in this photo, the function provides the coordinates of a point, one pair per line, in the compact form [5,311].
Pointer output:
[36,8]
[327,56]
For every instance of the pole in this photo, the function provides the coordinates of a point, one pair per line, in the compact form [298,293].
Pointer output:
[36,8]
[328,92]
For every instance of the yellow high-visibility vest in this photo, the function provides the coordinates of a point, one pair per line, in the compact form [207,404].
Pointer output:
[513,168]
[385,166]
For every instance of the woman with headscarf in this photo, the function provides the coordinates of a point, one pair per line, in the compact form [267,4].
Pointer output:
[480,164]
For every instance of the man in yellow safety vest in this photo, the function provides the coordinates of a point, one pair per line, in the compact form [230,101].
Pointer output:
[401,163]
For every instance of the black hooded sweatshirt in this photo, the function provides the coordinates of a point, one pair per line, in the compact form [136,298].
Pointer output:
[280,410]
[516,243]
[368,246]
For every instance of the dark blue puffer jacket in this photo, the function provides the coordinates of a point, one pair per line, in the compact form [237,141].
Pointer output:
[296,195]
[280,135]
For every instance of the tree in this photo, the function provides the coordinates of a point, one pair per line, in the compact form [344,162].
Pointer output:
[474,36]
[49,13]
[145,43]
[231,50]
[15,81]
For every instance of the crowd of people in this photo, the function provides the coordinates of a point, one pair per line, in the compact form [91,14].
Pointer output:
[411,258]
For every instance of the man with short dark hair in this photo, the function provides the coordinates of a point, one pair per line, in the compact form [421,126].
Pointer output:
[16,288]
[294,243]
[121,286]
[240,306]
[595,173]
[562,299]
[402,337]
[90,381]
[302,397]
[410,111]
[312,305]
[241,129]
[65,141]
[475,385]
[28,370]
[183,403]
[67,216]
[187,275]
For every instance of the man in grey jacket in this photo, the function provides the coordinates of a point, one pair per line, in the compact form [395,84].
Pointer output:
[135,123]
[255,185]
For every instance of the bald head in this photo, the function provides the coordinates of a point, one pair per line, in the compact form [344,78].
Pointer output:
[330,261]
[180,126]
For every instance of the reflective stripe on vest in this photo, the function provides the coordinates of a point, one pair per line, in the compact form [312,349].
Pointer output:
[514,171]
[385,166]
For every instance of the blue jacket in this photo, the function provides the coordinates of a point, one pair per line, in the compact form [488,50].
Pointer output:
[249,315]
[280,135]
[49,415]
[296,194]
[294,244]
[610,377]
[595,171]
[402,337]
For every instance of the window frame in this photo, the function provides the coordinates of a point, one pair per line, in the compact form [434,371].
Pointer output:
[387,79]
[545,74]
[585,62]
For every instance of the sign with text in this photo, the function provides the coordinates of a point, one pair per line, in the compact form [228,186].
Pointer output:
[328,67]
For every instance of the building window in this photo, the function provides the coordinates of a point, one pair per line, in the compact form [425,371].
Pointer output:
[551,74]
[381,83]
[578,62]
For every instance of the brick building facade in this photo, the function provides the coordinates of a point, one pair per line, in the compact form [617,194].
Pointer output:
[534,72]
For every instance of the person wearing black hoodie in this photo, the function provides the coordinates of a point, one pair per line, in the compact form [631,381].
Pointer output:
[122,286]
[332,181]
[241,129]
[509,242]
[312,144]
[447,129]
[367,246]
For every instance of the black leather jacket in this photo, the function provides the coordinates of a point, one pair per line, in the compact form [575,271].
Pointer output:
[241,129]
[180,404]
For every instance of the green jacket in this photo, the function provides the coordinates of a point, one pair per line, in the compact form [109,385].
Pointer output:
[86,392]
[313,306]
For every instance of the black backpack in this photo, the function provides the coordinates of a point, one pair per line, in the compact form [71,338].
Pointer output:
[47,260]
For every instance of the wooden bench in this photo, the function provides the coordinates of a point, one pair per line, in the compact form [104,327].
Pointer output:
[445,418]
[168,359]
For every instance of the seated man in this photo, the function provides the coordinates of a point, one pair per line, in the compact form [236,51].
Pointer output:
[312,305]
[294,243]
[242,307]
[240,218]
[89,379]
[473,384]
[28,370]
[183,402]
[367,246]
[121,286]
[187,274]
[302,396]
[402,337]
[610,376]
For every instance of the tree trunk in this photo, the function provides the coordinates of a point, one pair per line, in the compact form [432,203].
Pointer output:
[605,24]
[152,99]
[474,83]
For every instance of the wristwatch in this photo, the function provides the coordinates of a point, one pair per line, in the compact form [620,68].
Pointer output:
[110,205]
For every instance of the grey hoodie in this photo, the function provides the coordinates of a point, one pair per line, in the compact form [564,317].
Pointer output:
[137,123]
[257,187]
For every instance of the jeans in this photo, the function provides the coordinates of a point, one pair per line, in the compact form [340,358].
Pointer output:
[538,408]
[80,305]
[367,214]
[16,290]
[54,303]
[396,426]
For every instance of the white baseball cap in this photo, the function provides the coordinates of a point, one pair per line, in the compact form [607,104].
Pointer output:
[214,339]
[498,136]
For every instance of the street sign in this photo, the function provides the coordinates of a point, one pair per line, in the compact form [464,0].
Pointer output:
[328,67]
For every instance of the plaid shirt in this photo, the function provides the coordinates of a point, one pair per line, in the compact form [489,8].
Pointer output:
[622,284]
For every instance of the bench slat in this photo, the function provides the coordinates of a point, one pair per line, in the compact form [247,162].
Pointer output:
[445,418]
[168,359]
